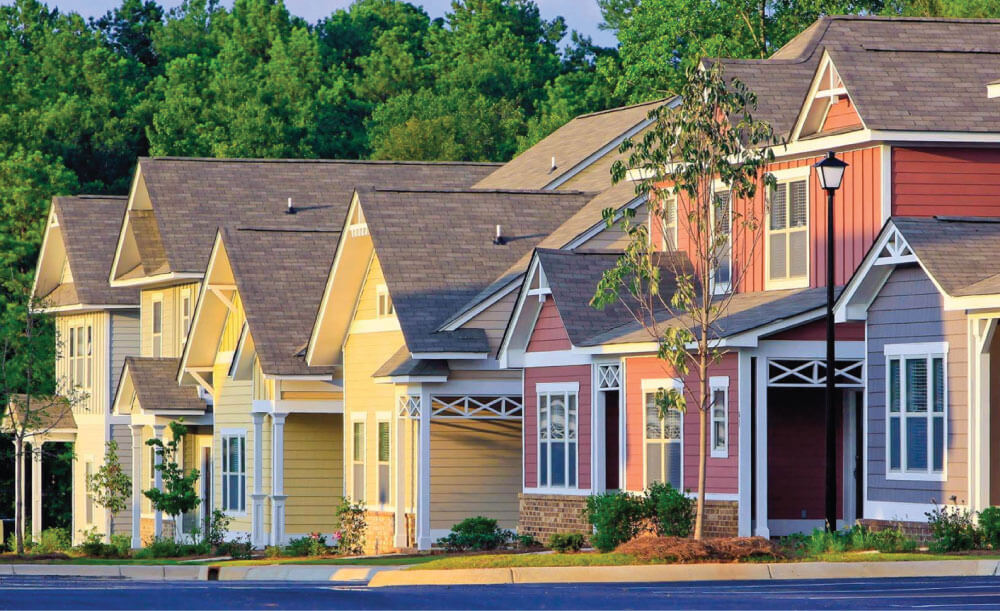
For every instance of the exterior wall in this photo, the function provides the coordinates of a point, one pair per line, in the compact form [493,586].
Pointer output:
[949,181]
[723,473]
[841,116]
[475,470]
[816,331]
[88,448]
[908,309]
[537,375]
[544,515]
[123,435]
[494,320]
[96,398]
[549,332]
[173,338]
[615,238]
[314,472]
[124,342]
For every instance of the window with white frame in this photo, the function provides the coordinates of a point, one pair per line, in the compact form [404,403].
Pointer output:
[719,387]
[663,445]
[234,472]
[383,463]
[81,352]
[558,420]
[358,461]
[917,408]
[156,327]
[384,307]
[788,235]
[184,311]
[668,224]
[89,474]
[722,277]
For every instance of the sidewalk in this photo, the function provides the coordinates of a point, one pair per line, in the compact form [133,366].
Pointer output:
[274,572]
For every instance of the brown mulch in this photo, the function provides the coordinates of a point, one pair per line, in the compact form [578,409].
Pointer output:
[649,548]
[35,557]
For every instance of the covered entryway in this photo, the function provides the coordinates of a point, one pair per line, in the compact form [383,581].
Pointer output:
[609,420]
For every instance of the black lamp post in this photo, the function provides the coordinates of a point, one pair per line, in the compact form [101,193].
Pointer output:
[831,172]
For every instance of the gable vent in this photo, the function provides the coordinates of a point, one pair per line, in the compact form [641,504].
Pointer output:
[993,89]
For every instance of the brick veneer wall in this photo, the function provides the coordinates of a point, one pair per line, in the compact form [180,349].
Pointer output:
[380,532]
[721,519]
[921,531]
[147,526]
[542,515]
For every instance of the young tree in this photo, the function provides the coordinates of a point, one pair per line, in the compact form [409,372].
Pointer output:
[111,486]
[694,160]
[178,495]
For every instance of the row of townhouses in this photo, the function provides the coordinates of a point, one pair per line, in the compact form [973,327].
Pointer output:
[417,336]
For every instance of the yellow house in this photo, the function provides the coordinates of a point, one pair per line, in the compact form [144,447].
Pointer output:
[278,422]
[96,328]
[433,425]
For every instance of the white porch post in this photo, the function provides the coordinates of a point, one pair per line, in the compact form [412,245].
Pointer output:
[424,472]
[278,478]
[158,481]
[761,529]
[744,400]
[399,491]
[36,489]
[258,497]
[136,486]
[19,482]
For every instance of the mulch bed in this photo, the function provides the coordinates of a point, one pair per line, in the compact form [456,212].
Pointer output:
[650,548]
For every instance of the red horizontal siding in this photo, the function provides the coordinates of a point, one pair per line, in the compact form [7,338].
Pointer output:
[723,473]
[537,375]
[945,181]
[549,332]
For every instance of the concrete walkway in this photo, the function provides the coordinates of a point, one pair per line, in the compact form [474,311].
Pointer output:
[273,572]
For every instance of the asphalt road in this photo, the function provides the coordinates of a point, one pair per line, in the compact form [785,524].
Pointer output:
[927,593]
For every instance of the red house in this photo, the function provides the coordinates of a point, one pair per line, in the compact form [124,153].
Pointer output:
[909,104]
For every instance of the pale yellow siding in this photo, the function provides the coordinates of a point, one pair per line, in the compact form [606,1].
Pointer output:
[92,398]
[494,320]
[615,238]
[88,448]
[314,472]
[172,335]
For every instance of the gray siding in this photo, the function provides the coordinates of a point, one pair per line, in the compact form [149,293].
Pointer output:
[615,238]
[124,342]
[123,435]
[909,310]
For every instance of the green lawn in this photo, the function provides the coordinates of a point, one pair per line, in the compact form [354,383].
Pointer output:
[10,559]
[877,557]
[382,561]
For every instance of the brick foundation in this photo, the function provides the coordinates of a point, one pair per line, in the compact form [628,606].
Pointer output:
[722,519]
[542,515]
[380,534]
[147,526]
[920,531]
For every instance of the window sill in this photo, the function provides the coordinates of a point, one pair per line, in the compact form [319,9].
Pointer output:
[918,477]
[719,454]
[791,283]
[557,491]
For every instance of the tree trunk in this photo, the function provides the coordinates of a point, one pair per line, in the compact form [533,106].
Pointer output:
[699,520]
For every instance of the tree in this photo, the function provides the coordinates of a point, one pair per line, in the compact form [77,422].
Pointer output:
[700,156]
[111,486]
[178,495]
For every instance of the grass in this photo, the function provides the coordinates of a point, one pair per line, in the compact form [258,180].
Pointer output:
[502,561]
[893,557]
[382,561]
[11,559]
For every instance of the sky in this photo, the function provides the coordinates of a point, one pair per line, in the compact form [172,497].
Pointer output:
[580,15]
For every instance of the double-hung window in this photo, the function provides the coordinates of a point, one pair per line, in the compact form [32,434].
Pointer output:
[156,327]
[358,460]
[81,351]
[383,462]
[668,224]
[185,314]
[917,408]
[788,236]
[722,276]
[719,387]
[662,438]
[383,305]
[558,421]
[234,472]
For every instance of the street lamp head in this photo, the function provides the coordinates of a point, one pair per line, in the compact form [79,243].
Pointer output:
[830,171]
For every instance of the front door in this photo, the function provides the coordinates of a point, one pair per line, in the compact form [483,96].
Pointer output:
[206,488]
[612,437]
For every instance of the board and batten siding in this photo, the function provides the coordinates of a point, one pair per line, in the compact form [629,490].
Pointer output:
[124,342]
[97,398]
[909,310]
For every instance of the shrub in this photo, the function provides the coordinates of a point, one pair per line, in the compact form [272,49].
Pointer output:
[273,551]
[671,511]
[952,529]
[122,545]
[566,542]
[218,528]
[617,517]
[239,548]
[163,547]
[93,544]
[822,542]
[53,540]
[526,541]
[887,540]
[310,545]
[989,526]
[478,533]
[352,527]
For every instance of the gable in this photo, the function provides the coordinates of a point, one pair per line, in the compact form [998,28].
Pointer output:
[53,265]
[841,115]
[549,332]
[828,106]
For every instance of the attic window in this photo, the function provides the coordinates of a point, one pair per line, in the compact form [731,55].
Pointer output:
[383,302]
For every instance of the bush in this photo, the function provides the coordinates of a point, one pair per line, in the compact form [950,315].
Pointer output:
[671,511]
[122,545]
[53,540]
[273,551]
[311,545]
[952,529]
[239,548]
[989,526]
[566,542]
[94,546]
[617,517]
[478,533]
[887,540]
[822,542]
[162,547]
[526,541]
[218,528]
[351,536]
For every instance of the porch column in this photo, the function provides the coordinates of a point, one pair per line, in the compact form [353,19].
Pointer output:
[424,473]
[158,481]
[258,497]
[399,489]
[19,482]
[743,452]
[278,478]
[761,529]
[36,490]
[136,486]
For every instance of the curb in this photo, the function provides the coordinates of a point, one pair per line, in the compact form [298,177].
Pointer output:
[273,572]
[114,571]
[689,572]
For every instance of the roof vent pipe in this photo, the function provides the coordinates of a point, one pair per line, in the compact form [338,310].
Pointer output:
[554,166]
[499,240]
[291,208]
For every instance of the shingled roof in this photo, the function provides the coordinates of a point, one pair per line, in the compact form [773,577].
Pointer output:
[402,364]
[280,275]
[89,225]
[959,253]
[193,197]
[45,414]
[155,383]
[434,263]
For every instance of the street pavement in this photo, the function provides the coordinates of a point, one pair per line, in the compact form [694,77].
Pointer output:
[83,593]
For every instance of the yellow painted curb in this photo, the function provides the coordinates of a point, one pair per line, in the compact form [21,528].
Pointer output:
[854,570]
[640,573]
[441,578]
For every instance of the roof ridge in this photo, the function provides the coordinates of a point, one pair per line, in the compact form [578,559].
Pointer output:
[472,191]
[284,229]
[318,161]
[621,108]
[970,20]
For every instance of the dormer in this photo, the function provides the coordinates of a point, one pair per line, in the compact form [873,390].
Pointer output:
[53,286]
[829,108]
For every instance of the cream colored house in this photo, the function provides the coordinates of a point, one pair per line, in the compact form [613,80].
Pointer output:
[96,328]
